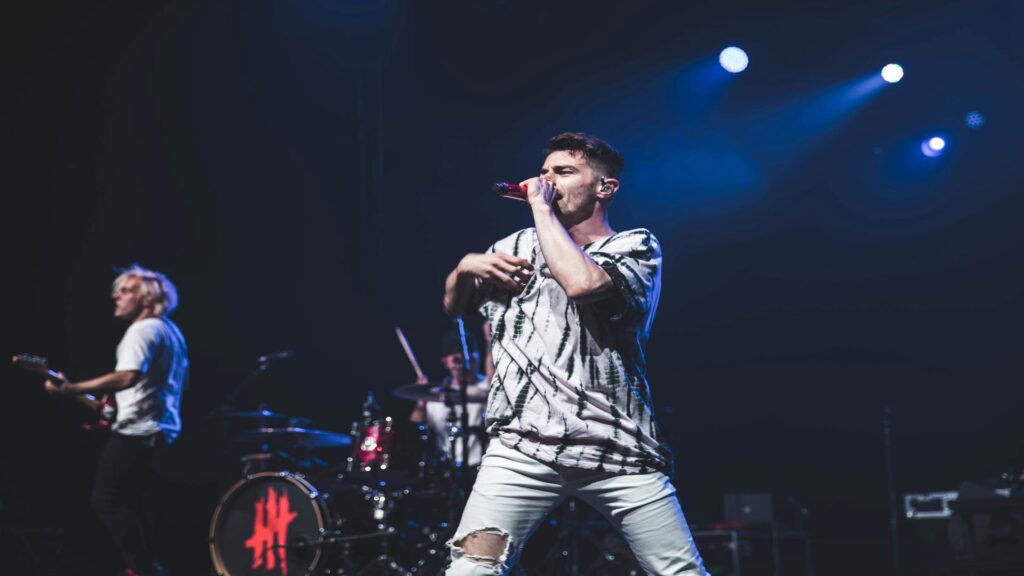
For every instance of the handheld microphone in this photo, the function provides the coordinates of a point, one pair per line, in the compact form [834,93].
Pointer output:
[510,191]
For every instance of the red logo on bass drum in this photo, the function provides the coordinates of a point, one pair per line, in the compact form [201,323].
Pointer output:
[270,532]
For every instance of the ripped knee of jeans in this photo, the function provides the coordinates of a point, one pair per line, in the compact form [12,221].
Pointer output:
[487,546]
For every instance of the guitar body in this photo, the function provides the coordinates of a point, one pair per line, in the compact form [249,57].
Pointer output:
[105,407]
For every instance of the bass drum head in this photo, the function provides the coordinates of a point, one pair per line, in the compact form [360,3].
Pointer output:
[269,523]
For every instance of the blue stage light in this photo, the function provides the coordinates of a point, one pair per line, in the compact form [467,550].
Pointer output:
[733,59]
[892,73]
[933,147]
[974,119]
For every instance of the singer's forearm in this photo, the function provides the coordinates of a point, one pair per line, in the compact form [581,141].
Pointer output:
[110,382]
[458,292]
[571,267]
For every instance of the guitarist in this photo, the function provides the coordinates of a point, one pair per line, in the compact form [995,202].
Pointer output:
[151,372]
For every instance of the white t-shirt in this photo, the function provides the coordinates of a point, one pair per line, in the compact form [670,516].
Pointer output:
[437,421]
[156,348]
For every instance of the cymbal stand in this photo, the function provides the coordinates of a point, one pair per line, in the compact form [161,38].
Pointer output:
[467,368]
[458,469]
[258,370]
[457,491]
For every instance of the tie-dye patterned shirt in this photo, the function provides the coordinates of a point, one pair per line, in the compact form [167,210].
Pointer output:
[570,385]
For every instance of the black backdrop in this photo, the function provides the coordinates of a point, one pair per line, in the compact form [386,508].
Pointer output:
[308,172]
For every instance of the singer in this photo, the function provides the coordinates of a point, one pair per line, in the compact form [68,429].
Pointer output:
[570,304]
[151,372]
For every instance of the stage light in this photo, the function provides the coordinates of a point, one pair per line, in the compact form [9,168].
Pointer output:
[892,73]
[974,119]
[733,59]
[933,147]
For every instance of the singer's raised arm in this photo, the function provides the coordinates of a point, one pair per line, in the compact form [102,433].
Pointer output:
[576,272]
[474,270]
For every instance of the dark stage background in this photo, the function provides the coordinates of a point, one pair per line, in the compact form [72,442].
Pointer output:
[308,172]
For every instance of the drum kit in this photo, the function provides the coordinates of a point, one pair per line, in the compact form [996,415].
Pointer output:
[386,509]
[388,504]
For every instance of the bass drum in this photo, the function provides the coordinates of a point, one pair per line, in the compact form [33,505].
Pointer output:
[269,523]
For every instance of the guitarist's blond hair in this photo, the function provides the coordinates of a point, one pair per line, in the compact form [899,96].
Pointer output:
[156,290]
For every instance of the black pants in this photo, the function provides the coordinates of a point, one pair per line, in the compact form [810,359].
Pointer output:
[123,476]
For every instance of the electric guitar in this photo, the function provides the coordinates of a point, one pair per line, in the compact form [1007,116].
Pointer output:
[104,406]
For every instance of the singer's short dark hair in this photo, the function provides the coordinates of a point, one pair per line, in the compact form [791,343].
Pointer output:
[599,154]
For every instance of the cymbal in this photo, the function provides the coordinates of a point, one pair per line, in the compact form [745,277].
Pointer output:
[252,414]
[265,415]
[435,393]
[295,436]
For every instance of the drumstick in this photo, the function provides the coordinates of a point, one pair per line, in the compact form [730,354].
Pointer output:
[409,354]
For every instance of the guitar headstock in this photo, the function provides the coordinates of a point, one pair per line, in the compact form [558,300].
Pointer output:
[32,363]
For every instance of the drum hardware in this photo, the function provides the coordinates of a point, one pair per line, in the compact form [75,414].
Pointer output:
[289,448]
[575,539]
[432,392]
[280,460]
[382,504]
[388,453]
[260,367]
[454,476]
[231,418]
[263,418]
[452,396]
[294,436]
[463,401]
[383,511]
[255,463]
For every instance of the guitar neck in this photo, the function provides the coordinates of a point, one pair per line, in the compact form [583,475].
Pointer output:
[89,400]
[38,365]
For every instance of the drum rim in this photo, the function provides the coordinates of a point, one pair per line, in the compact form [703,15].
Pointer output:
[311,492]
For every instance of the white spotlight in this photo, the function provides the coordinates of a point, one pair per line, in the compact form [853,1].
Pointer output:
[733,59]
[892,73]
[933,146]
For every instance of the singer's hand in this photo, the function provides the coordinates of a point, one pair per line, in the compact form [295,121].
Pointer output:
[502,269]
[539,192]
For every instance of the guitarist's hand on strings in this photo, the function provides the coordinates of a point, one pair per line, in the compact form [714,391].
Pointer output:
[57,387]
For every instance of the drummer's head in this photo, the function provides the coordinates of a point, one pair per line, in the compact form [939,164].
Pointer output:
[451,353]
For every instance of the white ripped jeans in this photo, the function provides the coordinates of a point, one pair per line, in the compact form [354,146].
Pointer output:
[513,493]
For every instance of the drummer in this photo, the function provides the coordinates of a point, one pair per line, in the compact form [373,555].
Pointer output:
[435,414]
